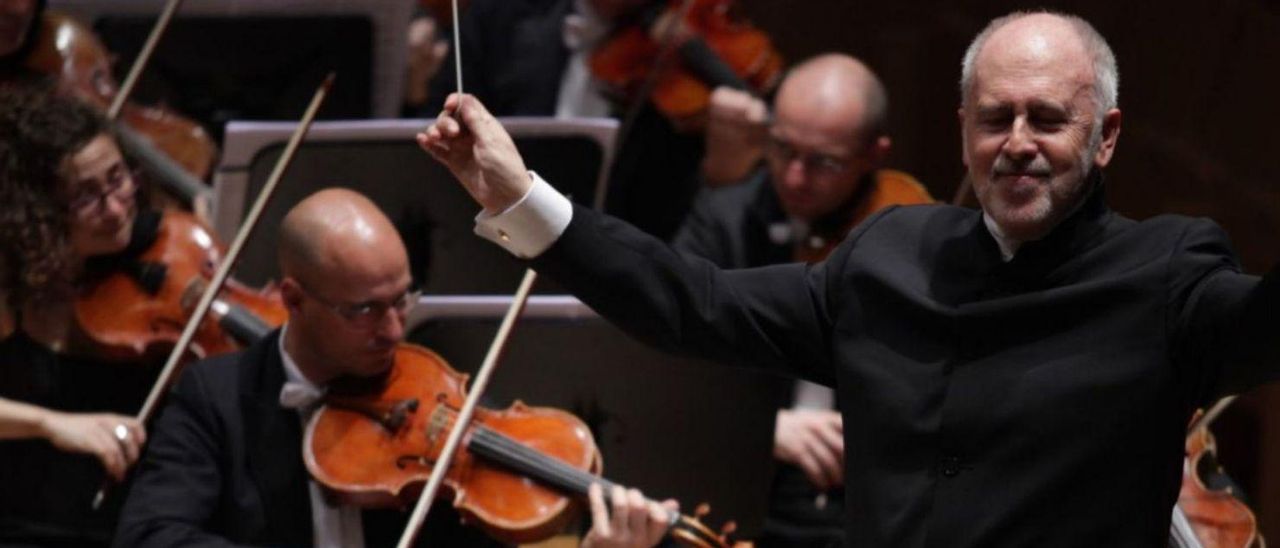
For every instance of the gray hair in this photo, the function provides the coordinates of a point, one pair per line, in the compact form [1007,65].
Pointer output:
[1106,76]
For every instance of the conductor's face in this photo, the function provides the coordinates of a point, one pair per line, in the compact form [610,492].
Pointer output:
[1032,126]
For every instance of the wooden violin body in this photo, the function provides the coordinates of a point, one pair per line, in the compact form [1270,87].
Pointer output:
[138,316]
[519,475]
[377,451]
[80,63]
[1217,518]
[716,47]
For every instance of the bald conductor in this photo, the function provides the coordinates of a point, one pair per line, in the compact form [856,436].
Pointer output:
[1022,375]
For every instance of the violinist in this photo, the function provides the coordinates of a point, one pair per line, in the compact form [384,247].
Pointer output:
[67,200]
[175,153]
[530,58]
[225,464]
[825,150]
[1020,375]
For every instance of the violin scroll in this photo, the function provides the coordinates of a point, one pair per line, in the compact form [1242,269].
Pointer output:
[1216,516]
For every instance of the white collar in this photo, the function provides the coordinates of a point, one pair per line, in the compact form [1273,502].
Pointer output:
[292,374]
[1008,246]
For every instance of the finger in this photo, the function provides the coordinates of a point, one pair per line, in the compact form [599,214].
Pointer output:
[811,469]
[431,142]
[108,451]
[757,112]
[451,102]
[659,519]
[599,516]
[139,432]
[473,113]
[832,439]
[637,510]
[131,449]
[827,462]
[136,430]
[618,498]
[447,125]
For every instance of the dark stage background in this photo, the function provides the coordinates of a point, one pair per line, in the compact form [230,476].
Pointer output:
[1200,93]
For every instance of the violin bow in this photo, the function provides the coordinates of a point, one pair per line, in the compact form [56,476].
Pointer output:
[171,366]
[144,56]
[481,382]
[181,182]
[451,445]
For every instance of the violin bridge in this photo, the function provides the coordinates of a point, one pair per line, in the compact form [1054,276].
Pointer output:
[438,423]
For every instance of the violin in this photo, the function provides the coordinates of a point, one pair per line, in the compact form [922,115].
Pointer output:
[1205,517]
[517,476]
[70,53]
[716,47]
[136,312]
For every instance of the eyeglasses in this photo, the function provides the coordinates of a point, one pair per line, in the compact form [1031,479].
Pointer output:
[784,152]
[120,184]
[367,314]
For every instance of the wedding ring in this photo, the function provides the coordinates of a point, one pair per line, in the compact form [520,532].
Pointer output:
[122,432]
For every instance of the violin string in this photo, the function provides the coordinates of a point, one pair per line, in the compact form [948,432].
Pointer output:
[528,460]
[533,462]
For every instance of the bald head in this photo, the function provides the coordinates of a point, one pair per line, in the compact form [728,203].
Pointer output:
[1034,39]
[840,89]
[332,229]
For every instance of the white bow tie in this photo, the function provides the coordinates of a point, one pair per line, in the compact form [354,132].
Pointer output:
[297,395]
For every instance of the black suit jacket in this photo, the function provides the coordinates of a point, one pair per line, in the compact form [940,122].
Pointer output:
[224,466]
[1037,402]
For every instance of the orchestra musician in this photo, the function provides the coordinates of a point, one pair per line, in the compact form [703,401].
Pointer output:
[67,200]
[225,464]
[825,151]
[1018,375]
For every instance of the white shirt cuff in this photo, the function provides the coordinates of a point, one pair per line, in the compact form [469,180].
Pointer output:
[531,225]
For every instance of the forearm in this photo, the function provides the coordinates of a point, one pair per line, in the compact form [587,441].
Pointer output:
[20,420]
[764,318]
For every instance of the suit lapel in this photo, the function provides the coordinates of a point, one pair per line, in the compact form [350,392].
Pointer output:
[274,446]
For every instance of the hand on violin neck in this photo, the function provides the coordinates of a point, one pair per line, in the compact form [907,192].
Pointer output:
[634,522]
[477,149]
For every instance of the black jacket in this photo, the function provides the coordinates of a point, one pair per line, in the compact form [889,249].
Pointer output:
[1039,402]
[224,467]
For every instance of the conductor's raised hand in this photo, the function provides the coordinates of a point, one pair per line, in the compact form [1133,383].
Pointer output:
[479,152]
